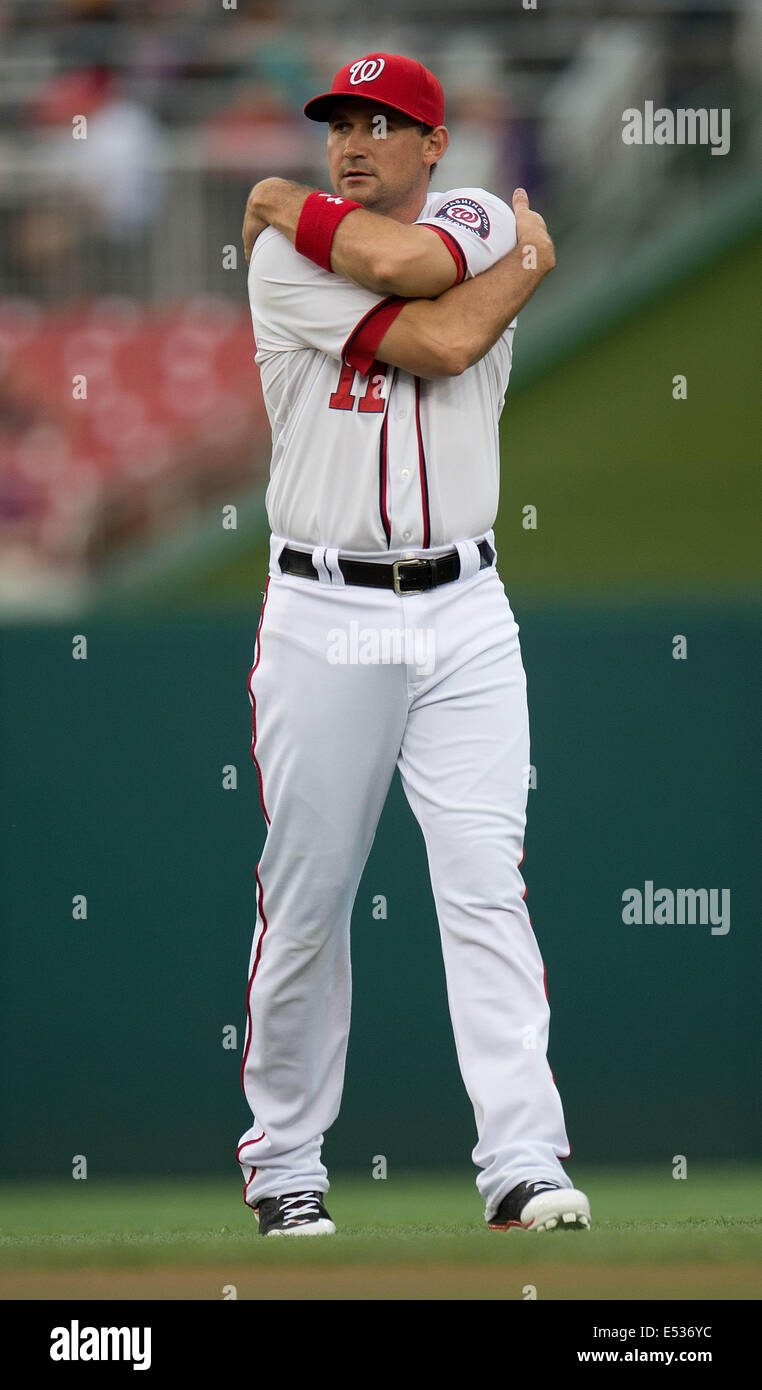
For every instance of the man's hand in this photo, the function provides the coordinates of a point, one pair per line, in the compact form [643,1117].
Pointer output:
[445,336]
[253,221]
[531,231]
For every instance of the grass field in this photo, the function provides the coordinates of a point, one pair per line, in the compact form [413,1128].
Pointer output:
[410,1237]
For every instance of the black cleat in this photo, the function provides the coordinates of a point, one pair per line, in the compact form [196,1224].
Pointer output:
[542,1206]
[294,1214]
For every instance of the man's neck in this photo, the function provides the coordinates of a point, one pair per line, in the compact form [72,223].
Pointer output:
[408,211]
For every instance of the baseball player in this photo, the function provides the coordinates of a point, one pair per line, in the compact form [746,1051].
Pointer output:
[384,316]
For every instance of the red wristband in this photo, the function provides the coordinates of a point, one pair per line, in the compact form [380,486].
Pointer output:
[318,220]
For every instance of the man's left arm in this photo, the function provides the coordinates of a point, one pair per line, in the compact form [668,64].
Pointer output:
[411,260]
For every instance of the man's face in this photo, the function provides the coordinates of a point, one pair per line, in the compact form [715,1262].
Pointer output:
[375,154]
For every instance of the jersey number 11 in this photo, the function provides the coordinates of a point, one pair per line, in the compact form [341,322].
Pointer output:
[372,401]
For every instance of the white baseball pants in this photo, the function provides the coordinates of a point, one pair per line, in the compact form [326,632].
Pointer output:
[337,703]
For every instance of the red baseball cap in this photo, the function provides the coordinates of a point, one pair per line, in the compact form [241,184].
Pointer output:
[389,79]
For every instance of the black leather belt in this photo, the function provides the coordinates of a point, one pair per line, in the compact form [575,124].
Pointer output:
[415,576]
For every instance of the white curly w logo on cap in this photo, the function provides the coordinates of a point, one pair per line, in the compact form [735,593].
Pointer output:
[366,70]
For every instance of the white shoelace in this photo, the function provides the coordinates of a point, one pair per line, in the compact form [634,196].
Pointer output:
[302,1204]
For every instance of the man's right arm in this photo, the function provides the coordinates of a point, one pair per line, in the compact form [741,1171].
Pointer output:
[434,338]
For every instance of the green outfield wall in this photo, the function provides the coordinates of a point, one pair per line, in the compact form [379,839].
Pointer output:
[112,1026]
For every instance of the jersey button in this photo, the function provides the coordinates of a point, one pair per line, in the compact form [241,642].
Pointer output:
[406,535]
[405,473]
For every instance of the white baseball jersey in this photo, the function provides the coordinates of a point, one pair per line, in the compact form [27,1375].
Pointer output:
[366,457]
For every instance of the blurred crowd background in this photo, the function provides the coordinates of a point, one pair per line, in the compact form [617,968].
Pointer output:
[120,257]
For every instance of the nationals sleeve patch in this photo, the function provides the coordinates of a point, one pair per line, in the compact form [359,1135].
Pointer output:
[466,213]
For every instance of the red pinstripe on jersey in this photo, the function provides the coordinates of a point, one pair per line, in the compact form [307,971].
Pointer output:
[455,249]
[256,873]
[247,1142]
[254,703]
[238,1153]
[382,484]
[422,466]
[254,968]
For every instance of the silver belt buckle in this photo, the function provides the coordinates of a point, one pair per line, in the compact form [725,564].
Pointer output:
[410,560]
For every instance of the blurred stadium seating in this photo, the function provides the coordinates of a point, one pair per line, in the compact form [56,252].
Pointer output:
[171,411]
[120,254]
